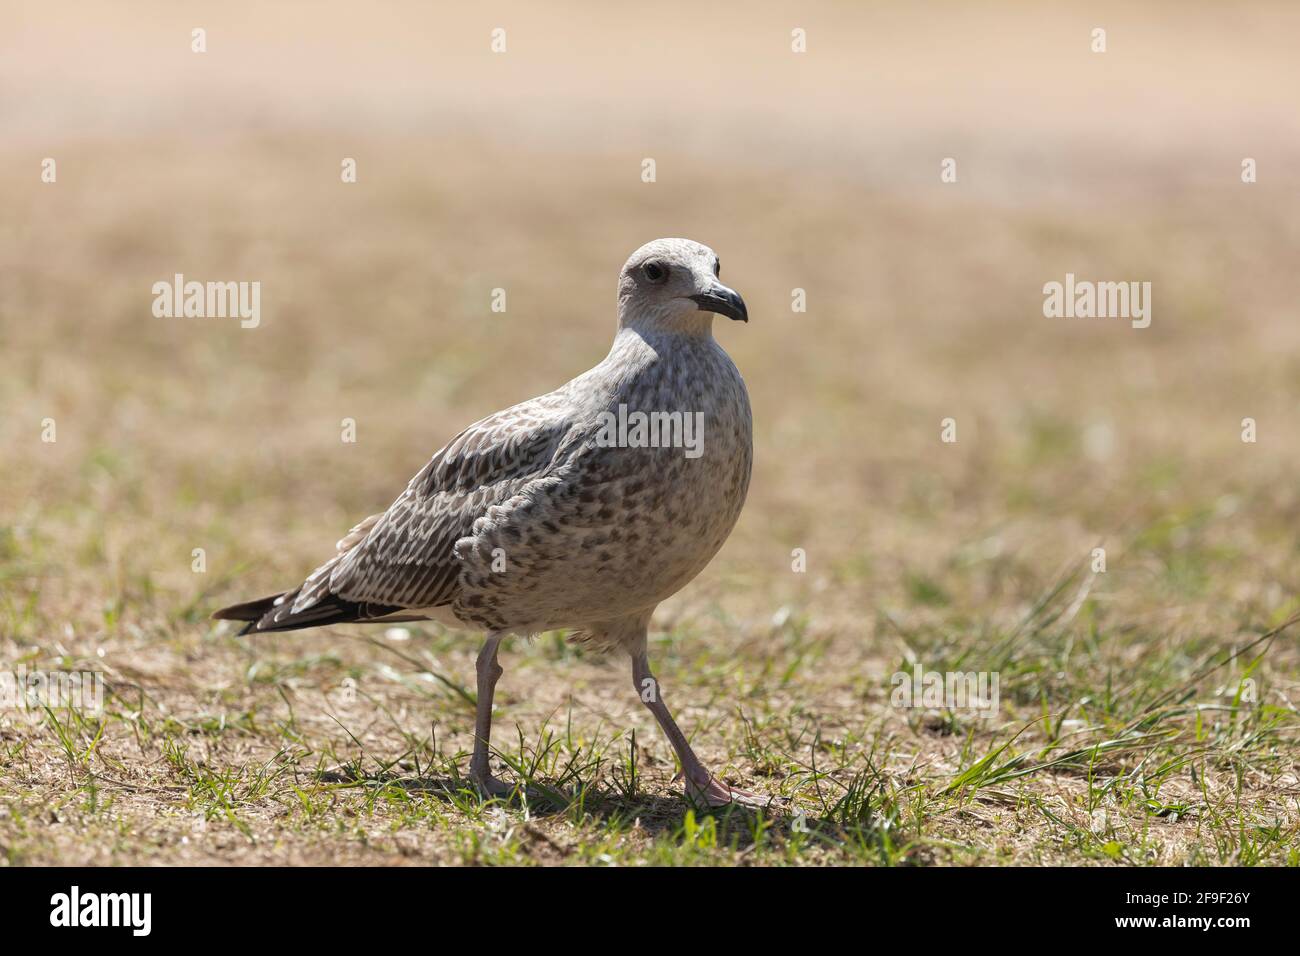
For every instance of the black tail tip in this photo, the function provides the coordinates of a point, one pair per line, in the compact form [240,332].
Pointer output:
[252,611]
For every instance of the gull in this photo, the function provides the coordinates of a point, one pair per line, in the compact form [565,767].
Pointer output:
[581,509]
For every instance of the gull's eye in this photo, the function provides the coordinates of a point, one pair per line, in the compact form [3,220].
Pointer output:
[717,268]
[655,271]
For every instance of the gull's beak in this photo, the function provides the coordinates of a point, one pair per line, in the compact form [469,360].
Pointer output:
[723,301]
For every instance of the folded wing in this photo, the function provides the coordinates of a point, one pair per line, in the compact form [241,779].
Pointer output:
[403,558]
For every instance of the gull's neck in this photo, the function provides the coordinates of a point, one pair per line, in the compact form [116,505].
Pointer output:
[664,324]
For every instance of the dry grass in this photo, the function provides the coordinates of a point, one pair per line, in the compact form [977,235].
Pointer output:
[345,745]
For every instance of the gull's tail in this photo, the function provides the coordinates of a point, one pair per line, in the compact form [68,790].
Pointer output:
[275,613]
[250,611]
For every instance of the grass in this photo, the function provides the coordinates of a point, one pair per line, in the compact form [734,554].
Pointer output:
[1109,748]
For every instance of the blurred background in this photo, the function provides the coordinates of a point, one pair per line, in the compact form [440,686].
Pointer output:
[522,170]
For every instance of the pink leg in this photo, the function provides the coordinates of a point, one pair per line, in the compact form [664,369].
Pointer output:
[701,786]
[488,673]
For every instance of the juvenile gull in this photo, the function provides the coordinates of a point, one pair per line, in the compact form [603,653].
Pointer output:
[554,513]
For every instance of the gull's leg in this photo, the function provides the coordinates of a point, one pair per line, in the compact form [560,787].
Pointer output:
[488,672]
[701,786]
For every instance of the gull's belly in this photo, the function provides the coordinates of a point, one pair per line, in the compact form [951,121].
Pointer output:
[680,516]
[673,518]
[646,523]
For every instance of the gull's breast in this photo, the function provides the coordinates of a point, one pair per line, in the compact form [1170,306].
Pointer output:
[638,514]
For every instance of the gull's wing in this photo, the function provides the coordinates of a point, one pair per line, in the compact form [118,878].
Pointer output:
[403,558]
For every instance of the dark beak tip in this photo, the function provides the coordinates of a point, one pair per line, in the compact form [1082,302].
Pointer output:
[723,301]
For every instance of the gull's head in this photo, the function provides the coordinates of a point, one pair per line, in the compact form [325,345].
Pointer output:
[673,284]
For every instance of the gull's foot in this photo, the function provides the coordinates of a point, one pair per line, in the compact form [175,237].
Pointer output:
[706,789]
[489,787]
